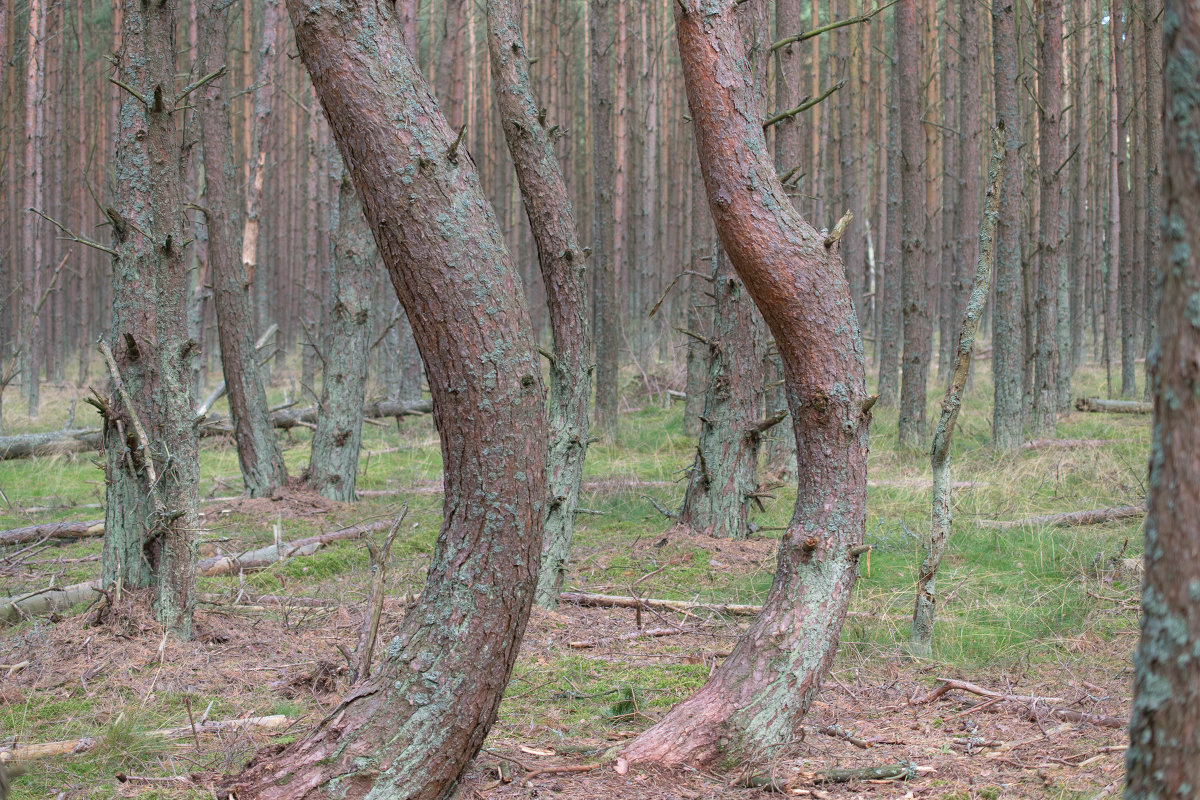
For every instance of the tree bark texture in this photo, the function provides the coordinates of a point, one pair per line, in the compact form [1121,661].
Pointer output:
[1008,348]
[723,478]
[263,470]
[552,221]
[1163,758]
[698,280]
[333,459]
[758,695]
[151,464]
[921,632]
[411,729]
[264,93]
[918,329]
[890,316]
[1125,270]
[605,320]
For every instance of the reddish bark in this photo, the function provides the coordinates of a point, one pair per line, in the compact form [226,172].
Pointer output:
[411,729]
[757,697]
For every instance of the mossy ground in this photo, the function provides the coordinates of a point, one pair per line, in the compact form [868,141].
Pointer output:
[1046,611]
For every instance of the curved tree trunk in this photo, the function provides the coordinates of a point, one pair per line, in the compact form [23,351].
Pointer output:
[151,460]
[756,697]
[333,460]
[1163,758]
[552,221]
[410,730]
[261,461]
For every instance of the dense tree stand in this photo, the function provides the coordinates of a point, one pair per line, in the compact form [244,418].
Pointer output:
[410,730]
[759,694]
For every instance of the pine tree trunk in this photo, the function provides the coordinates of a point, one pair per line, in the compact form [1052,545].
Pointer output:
[562,261]
[442,676]
[333,459]
[263,98]
[757,696]
[35,115]
[1153,146]
[261,461]
[1125,272]
[918,332]
[151,466]
[890,317]
[723,478]
[698,281]
[1008,353]
[605,319]
[1050,219]
[1163,758]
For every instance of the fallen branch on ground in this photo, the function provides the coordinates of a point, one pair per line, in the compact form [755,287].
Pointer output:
[1036,707]
[69,746]
[626,637]
[1099,405]
[1071,519]
[647,603]
[266,556]
[1057,444]
[45,601]
[53,530]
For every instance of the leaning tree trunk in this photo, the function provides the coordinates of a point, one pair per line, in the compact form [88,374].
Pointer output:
[552,221]
[921,632]
[1163,758]
[263,470]
[723,480]
[757,696]
[151,459]
[333,460]
[410,730]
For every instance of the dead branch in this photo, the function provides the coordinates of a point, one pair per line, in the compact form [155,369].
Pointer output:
[651,604]
[1072,519]
[53,530]
[370,623]
[1098,405]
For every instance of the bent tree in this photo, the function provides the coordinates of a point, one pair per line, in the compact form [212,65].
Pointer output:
[410,729]
[548,206]
[150,450]
[756,697]
[1163,758]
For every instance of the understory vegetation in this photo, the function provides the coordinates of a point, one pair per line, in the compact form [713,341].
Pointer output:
[1027,610]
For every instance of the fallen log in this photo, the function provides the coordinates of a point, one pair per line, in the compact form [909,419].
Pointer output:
[288,418]
[52,443]
[45,601]
[264,557]
[32,752]
[1102,406]
[651,604]
[1061,444]
[1071,519]
[53,530]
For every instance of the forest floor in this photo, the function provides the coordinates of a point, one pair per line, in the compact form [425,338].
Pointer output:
[1028,610]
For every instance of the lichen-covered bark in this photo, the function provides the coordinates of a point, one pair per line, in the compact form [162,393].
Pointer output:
[150,515]
[552,221]
[724,473]
[914,290]
[758,695]
[921,633]
[333,460]
[1163,758]
[697,353]
[410,730]
[1007,337]
[261,461]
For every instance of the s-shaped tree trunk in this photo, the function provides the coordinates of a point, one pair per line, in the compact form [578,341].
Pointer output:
[548,206]
[1163,758]
[757,697]
[409,731]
